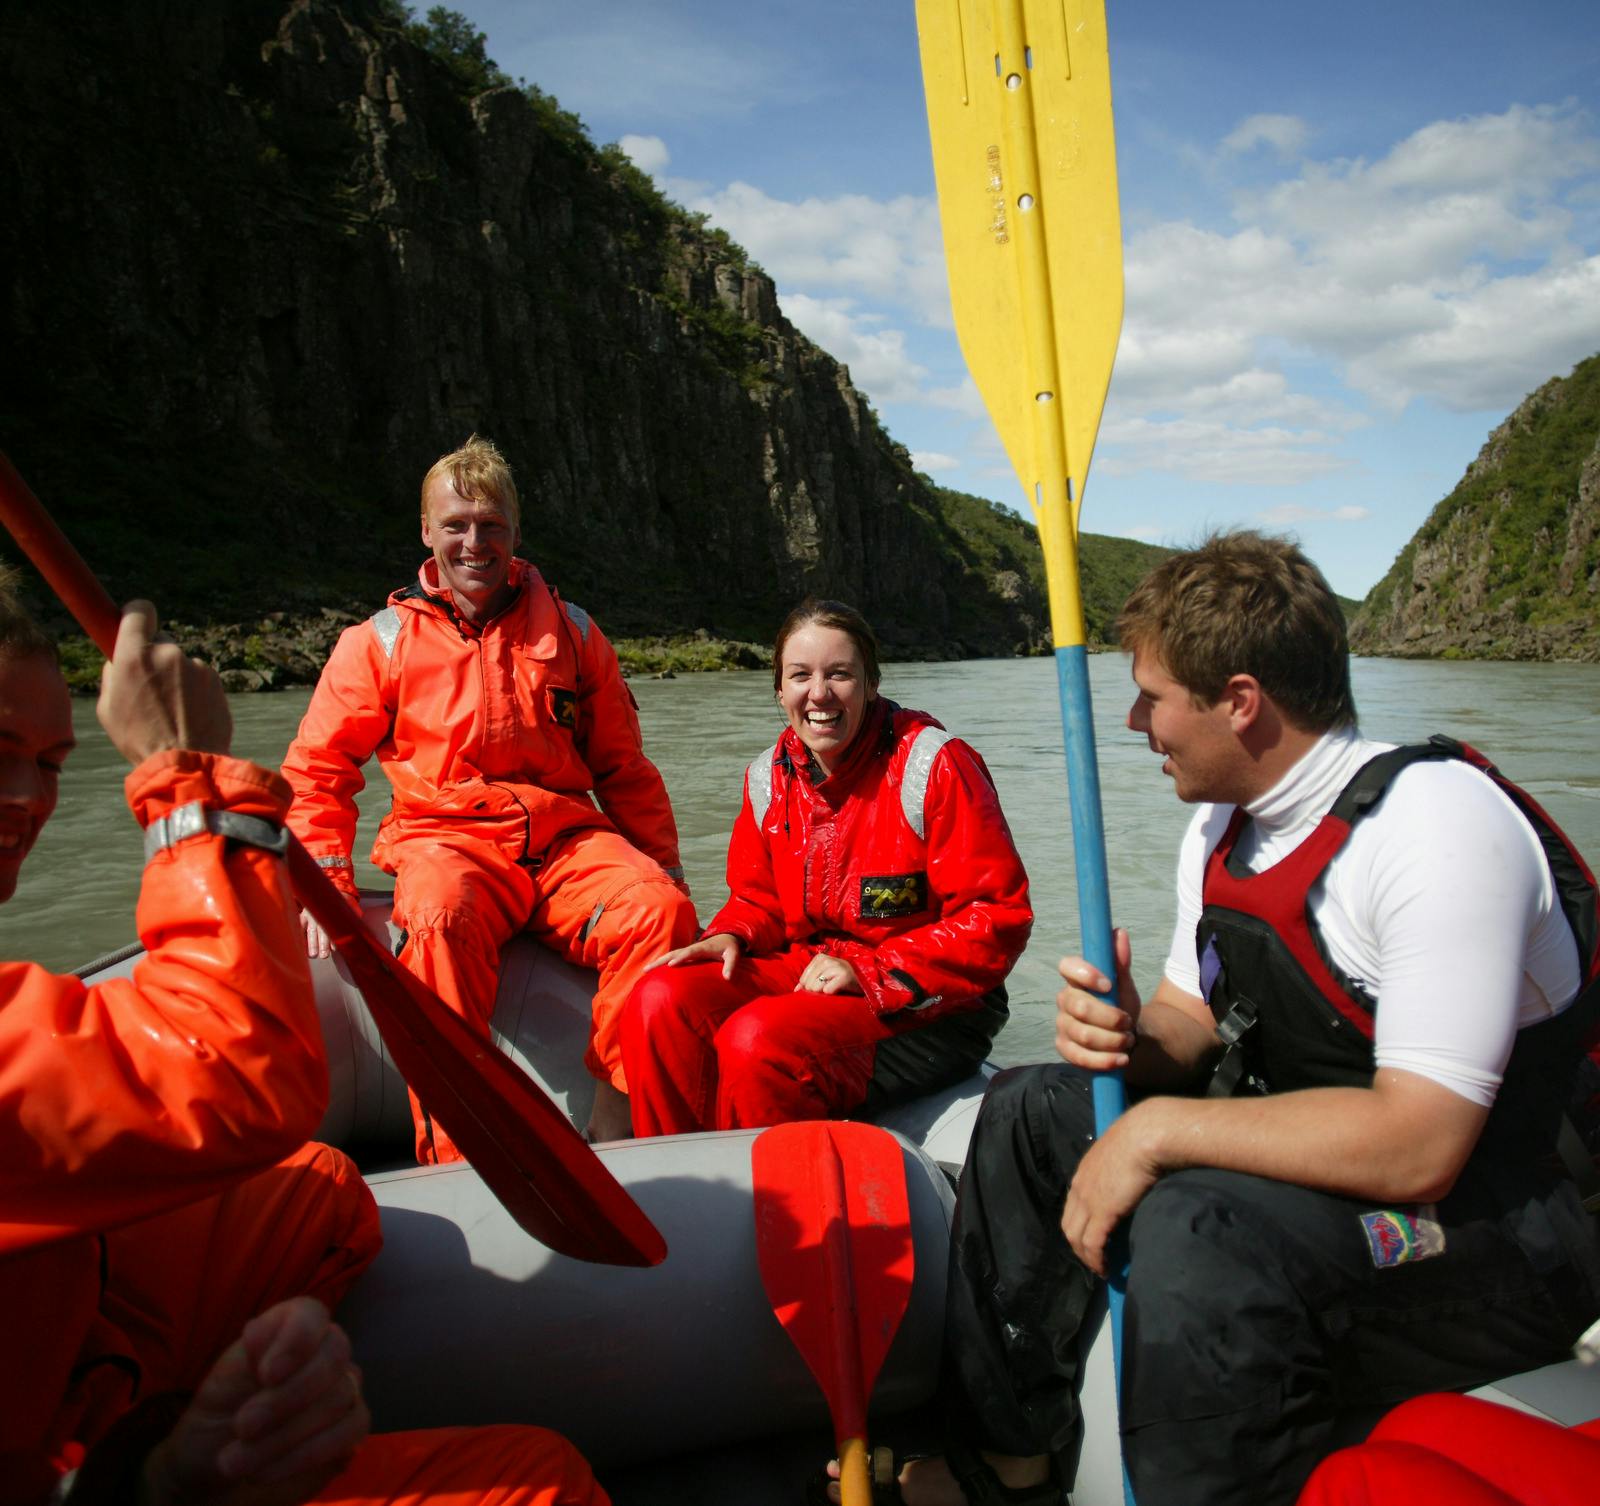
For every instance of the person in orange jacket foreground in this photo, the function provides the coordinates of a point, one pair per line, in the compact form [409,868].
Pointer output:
[495,708]
[1469,1452]
[143,1218]
[877,905]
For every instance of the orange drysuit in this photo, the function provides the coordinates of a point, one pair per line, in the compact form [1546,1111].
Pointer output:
[138,1230]
[493,736]
[132,1117]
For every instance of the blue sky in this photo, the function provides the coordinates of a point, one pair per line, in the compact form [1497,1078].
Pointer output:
[1355,236]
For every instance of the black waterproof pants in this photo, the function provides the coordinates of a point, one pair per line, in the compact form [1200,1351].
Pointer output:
[1261,1332]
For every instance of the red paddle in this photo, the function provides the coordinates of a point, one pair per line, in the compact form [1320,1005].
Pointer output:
[520,1143]
[833,1239]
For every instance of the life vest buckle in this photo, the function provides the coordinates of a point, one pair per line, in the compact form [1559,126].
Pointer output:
[1237,1023]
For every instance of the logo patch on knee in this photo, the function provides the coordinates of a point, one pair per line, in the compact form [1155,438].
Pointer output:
[894,894]
[1396,1235]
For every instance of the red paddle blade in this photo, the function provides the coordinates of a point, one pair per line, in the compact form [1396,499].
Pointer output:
[518,1141]
[833,1240]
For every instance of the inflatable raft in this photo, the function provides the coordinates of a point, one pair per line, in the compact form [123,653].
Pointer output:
[676,1381]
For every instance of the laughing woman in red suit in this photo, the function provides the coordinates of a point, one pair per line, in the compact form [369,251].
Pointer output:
[877,904]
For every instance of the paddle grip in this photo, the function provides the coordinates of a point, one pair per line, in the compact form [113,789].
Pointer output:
[855,1474]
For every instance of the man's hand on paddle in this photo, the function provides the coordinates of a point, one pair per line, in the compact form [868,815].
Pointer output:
[153,697]
[277,1416]
[1116,1172]
[721,948]
[1089,1032]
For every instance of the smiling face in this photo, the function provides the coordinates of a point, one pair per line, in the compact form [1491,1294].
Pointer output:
[35,738]
[1200,750]
[472,544]
[823,690]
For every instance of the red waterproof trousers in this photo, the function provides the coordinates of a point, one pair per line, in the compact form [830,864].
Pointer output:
[596,899]
[705,1052]
[1468,1452]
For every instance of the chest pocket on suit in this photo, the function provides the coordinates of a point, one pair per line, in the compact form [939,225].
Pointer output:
[563,707]
[893,894]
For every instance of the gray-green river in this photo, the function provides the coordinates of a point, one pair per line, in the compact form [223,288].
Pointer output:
[1540,722]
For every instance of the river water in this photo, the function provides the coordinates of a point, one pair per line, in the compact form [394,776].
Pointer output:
[1541,722]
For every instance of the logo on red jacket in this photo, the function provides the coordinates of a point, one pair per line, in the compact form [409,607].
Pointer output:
[894,894]
[564,708]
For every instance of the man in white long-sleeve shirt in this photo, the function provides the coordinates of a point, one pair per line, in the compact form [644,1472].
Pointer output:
[1338,1181]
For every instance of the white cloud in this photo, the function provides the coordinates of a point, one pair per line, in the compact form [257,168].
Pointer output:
[1285,134]
[933,463]
[876,357]
[1495,346]
[648,153]
[1293,512]
[1216,450]
[1453,269]
[964,398]
[888,250]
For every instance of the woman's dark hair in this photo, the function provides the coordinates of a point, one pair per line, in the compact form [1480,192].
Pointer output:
[814,612]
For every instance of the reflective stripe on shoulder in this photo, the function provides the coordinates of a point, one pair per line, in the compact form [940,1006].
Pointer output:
[758,781]
[386,624]
[914,781]
[580,619]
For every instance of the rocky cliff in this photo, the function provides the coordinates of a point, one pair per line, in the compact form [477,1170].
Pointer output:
[263,260]
[1508,565]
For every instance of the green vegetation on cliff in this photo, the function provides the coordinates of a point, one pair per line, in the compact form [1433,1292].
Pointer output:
[266,261]
[1005,546]
[1507,565]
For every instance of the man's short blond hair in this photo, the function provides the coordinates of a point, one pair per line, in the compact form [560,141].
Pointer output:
[479,473]
[1246,603]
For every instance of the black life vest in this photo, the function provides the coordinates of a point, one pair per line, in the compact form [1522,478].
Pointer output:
[1290,1018]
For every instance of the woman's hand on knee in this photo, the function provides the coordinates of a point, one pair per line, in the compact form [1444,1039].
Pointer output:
[722,947]
[829,975]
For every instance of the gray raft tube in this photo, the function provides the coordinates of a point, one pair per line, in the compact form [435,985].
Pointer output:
[541,1021]
[465,1319]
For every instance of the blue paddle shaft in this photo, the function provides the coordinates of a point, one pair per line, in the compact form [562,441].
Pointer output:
[1094,910]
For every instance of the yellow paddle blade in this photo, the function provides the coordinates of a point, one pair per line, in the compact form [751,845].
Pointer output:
[1019,110]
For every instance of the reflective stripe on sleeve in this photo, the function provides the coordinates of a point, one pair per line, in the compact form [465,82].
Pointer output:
[914,781]
[194,820]
[386,624]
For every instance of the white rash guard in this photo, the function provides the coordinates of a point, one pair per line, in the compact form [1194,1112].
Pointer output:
[1440,904]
